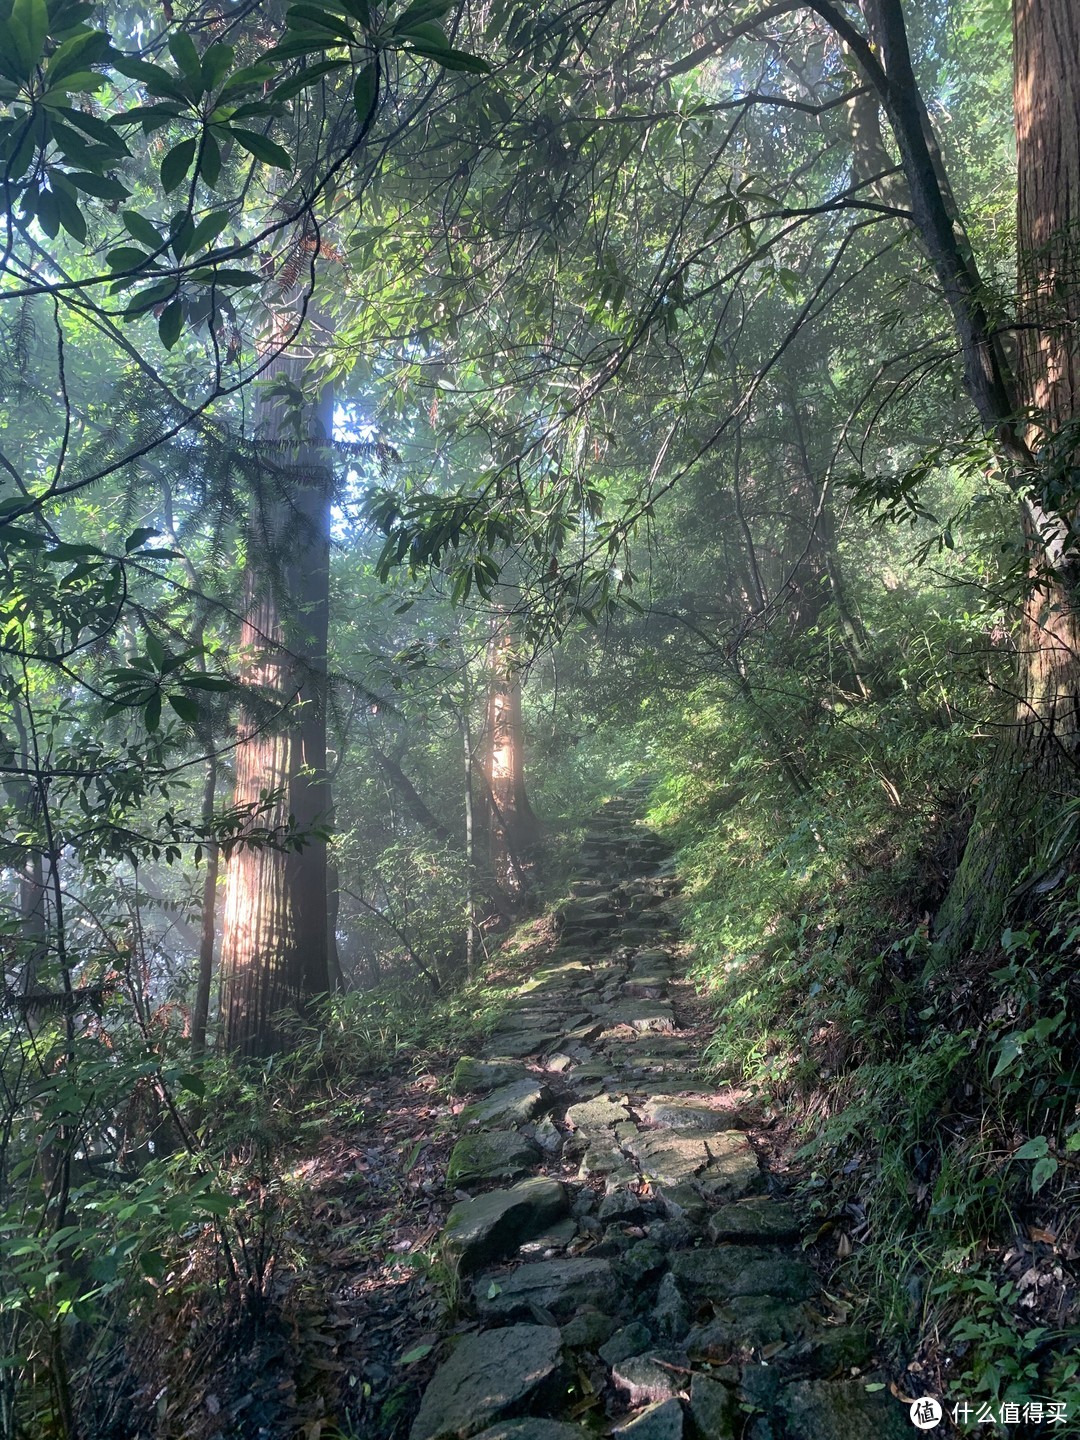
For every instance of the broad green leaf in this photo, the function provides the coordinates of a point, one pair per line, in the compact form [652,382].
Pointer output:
[300,17]
[1033,1149]
[250,77]
[171,323]
[208,682]
[71,217]
[186,708]
[141,229]
[104,187]
[125,257]
[307,76]
[177,163]
[210,165]
[48,213]
[365,90]
[451,59]
[268,151]
[1043,1170]
[75,55]
[182,49]
[152,77]
[215,66]
[29,21]
[152,712]
[207,230]
[138,538]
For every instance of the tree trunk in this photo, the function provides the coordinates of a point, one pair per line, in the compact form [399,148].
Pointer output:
[512,826]
[274,948]
[208,928]
[1047,105]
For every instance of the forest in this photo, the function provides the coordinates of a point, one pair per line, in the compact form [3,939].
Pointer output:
[539,719]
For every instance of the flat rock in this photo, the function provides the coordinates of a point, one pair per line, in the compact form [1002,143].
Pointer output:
[595,1117]
[476,1077]
[842,1410]
[673,1114]
[512,1104]
[561,1287]
[492,1226]
[645,1380]
[557,1238]
[488,1377]
[736,1270]
[646,1016]
[749,1322]
[588,1329]
[662,1421]
[526,1042]
[491,1155]
[714,1410]
[667,1158]
[755,1218]
[734,1172]
[632,1339]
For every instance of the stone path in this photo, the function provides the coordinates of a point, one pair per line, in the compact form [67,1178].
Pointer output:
[627,1269]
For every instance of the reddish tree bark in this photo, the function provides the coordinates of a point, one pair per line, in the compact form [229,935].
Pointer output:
[274,952]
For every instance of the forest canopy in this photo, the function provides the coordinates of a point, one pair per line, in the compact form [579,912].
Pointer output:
[420,424]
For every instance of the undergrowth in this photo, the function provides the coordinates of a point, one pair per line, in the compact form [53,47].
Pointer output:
[937,1134]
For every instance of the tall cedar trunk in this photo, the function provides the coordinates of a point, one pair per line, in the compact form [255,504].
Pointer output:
[274,953]
[1047,105]
[512,826]
[208,927]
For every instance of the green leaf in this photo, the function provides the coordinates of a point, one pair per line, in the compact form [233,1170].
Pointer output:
[216,1204]
[152,712]
[307,76]
[250,77]
[76,55]
[207,230]
[155,651]
[268,151]
[365,90]
[141,229]
[71,217]
[29,21]
[138,538]
[152,77]
[125,257]
[150,117]
[419,12]
[176,164]
[48,213]
[194,1084]
[104,187]
[299,17]
[451,59]
[215,65]
[359,10]
[210,165]
[1043,1170]
[171,323]
[181,230]
[416,1353]
[426,32]
[1034,1149]
[182,49]
[186,708]
[208,682]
